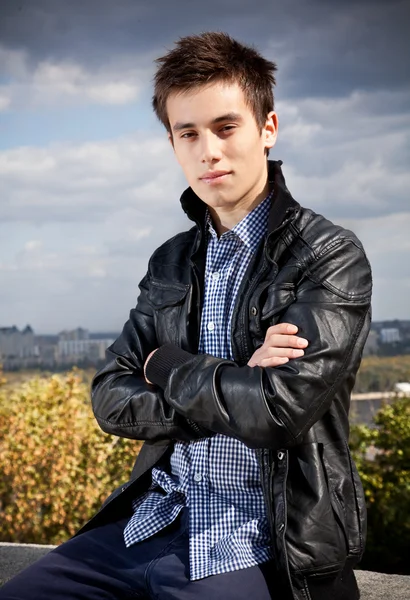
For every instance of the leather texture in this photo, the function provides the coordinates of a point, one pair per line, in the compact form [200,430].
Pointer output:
[309,272]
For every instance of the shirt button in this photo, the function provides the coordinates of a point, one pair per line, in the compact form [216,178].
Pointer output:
[198,477]
[211,326]
[215,275]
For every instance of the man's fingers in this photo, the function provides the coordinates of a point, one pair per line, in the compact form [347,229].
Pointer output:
[277,340]
[284,352]
[273,356]
[282,328]
[274,361]
[279,346]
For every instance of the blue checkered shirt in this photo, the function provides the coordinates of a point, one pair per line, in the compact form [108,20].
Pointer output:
[218,478]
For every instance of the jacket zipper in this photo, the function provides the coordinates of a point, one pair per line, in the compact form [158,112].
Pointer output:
[285,468]
[194,341]
[265,455]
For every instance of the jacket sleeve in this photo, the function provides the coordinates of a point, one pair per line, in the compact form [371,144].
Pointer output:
[123,403]
[275,407]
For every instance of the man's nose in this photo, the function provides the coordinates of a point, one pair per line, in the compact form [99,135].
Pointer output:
[210,148]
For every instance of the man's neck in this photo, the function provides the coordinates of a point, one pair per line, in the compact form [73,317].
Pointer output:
[225,219]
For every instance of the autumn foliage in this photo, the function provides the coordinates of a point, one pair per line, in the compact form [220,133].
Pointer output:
[56,465]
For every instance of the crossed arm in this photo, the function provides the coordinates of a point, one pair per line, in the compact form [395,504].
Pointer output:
[260,405]
[281,345]
[126,404]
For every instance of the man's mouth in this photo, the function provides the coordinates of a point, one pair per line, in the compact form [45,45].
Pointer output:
[215,177]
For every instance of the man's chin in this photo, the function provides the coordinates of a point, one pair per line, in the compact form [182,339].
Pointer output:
[218,202]
[209,197]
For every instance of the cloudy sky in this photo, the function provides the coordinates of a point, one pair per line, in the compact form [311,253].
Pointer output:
[88,183]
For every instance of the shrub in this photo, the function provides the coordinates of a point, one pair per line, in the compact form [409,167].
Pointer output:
[382,456]
[56,465]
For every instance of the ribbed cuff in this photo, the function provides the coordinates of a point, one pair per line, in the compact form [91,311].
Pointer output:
[163,361]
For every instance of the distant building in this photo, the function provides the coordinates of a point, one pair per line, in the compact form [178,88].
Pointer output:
[372,343]
[390,335]
[17,344]
[78,334]
[76,344]
[47,348]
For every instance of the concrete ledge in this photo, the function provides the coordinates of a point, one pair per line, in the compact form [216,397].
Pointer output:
[379,586]
[16,557]
[373,586]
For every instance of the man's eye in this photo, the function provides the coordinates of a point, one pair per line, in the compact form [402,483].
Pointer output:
[227,127]
[187,135]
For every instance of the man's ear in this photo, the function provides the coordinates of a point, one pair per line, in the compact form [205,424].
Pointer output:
[270,130]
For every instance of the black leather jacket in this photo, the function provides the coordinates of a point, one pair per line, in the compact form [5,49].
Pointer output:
[308,272]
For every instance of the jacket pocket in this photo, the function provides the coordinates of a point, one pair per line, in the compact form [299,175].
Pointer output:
[316,540]
[360,506]
[167,301]
[279,297]
[347,494]
[162,295]
[267,307]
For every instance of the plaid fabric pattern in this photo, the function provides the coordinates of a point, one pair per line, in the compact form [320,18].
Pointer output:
[217,478]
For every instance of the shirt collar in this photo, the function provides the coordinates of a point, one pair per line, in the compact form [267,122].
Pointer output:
[252,227]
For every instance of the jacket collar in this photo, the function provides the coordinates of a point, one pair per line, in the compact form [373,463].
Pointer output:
[283,205]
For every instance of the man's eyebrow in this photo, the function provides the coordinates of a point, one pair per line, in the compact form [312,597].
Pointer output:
[232,116]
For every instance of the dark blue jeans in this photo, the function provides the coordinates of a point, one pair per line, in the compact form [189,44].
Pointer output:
[97,565]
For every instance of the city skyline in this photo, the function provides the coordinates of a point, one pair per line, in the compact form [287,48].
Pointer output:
[375,325]
[90,186]
[26,349]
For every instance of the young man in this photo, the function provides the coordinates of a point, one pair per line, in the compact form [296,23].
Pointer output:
[244,486]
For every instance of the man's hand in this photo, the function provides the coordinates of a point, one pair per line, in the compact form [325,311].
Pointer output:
[280,345]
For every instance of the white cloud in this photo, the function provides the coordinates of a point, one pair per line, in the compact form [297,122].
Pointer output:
[343,156]
[54,286]
[5,102]
[89,181]
[93,214]
[387,244]
[33,245]
[339,159]
[53,83]
[89,275]
[104,207]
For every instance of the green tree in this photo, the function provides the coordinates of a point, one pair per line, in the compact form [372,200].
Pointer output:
[382,456]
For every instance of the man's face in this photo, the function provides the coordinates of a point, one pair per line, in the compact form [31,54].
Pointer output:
[219,145]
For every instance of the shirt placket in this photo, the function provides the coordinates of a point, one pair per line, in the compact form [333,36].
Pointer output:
[205,471]
[201,516]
